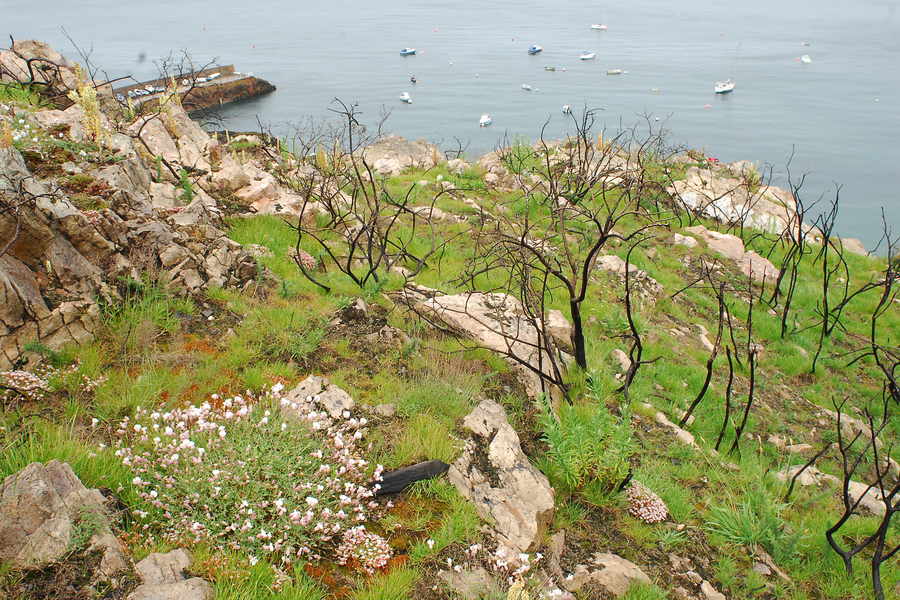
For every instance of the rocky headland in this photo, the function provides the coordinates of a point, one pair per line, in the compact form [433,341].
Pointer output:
[557,371]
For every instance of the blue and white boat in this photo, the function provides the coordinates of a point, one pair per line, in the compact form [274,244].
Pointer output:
[535,49]
[408,52]
[485,120]
[405,98]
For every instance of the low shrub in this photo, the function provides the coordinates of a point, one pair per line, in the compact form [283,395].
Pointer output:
[266,476]
[588,449]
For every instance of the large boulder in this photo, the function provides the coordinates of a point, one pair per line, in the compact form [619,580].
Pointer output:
[324,393]
[751,264]
[867,497]
[496,476]
[391,155]
[729,246]
[729,197]
[47,65]
[164,577]
[63,259]
[44,508]
[610,572]
[173,136]
[497,322]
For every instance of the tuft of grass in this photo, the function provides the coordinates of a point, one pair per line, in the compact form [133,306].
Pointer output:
[259,582]
[458,524]
[424,438]
[755,520]
[146,315]
[645,591]
[396,585]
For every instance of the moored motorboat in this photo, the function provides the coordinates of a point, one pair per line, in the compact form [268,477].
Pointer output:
[549,68]
[408,52]
[527,87]
[485,120]
[586,55]
[614,71]
[535,49]
[566,109]
[806,59]
[599,27]
[405,98]
[724,87]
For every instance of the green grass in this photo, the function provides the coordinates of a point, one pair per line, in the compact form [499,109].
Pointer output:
[396,585]
[259,582]
[645,591]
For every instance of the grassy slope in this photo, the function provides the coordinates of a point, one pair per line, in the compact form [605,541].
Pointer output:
[160,351]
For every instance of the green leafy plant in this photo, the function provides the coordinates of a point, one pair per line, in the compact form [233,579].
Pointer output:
[588,449]
[87,523]
[187,187]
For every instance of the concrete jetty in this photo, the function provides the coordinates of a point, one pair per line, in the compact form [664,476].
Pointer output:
[200,90]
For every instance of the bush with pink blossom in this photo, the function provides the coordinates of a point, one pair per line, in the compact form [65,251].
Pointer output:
[266,476]
[367,550]
[645,505]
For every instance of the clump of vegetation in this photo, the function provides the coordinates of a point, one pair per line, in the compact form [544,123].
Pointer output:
[589,449]
[186,185]
[756,520]
[267,476]
[85,96]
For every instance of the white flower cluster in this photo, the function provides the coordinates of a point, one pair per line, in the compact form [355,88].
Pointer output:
[368,551]
[267,476]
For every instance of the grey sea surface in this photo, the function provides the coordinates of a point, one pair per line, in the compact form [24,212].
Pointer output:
[839,116]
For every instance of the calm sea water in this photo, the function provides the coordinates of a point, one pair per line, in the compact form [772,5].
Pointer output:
[840,114]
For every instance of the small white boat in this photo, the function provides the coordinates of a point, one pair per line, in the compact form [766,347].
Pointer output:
[599,27]
[485,120]
[408,52]
[527,87]
[405,98]
[566,109]
[724,87]
[806,59]
[804,43]
[614,72]
[587,55]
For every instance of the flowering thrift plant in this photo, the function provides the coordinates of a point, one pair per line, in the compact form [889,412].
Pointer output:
[645,505]
[270,476]
[36,385]
[24,383]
